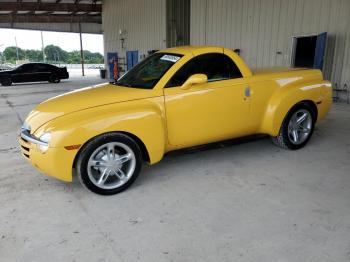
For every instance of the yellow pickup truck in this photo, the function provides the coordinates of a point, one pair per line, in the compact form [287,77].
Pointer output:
[176,98]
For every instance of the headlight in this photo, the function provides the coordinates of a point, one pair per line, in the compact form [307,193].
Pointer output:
[46,137]
[25,126]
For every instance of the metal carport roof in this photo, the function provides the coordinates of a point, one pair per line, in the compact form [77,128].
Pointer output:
[52,15]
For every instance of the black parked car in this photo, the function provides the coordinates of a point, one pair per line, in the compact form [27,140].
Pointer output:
[33,72]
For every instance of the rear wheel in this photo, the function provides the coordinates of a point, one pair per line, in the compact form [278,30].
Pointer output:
[54,79]
[6,82]
[109,164]
[297,127]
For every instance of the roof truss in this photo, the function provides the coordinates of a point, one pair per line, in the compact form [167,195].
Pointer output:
[50,7]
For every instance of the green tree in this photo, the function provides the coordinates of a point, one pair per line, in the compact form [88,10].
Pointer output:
[34,55]
[74,57]
[93,58]
[11,53]
[55,54]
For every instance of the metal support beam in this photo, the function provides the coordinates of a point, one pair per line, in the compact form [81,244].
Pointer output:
[81,51]
[61,7]
[19,18]
[42,46]
[16,49]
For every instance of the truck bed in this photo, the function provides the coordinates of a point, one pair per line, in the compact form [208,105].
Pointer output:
[270,70]
[286,72]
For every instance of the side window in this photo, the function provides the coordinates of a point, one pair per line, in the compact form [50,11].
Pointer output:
[36,68]
[218,67]
[188,69]
[42,68]
[27,68]
[215,66]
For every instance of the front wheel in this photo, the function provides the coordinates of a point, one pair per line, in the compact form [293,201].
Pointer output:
[6,82]
[54,79]
[109,164]
[297,127]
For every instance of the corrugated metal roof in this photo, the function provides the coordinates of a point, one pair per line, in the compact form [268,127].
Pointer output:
[57,15]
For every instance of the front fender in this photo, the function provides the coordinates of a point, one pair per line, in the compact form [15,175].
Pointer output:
[143,118]
[287,96]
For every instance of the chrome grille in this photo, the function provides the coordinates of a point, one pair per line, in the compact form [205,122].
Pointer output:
[25,144]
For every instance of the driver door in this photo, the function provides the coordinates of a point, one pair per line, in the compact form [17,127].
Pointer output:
[209,112]
[24,73]
[41,73]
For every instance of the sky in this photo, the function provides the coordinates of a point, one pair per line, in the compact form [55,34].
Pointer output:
[30,39]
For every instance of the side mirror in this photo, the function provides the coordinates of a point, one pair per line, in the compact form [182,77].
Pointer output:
[193,80]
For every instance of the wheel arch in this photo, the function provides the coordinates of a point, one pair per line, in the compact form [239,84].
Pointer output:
[311,103]
[139,142]
[313,106]
[283,139]
[310,90]
[275,116]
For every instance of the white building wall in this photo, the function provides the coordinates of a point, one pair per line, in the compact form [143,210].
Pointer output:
[144,22]
[262,28]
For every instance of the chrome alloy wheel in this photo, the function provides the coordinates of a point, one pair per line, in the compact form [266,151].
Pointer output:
[111,165]
[299,127]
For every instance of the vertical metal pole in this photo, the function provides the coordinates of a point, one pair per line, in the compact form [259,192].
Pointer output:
[42,46]
[16,49]
[81,51]
[2,55]
[205,21]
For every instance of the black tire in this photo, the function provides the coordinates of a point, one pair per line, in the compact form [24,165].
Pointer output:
[6,82]
[89,150]
[54,79]
[283,138]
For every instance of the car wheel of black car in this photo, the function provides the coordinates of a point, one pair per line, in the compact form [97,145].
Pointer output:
[109,163]
[6,82]
[297,127]
[54,79]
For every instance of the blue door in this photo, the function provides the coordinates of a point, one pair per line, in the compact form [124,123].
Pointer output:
[135,58]
[132,58]
[320,50]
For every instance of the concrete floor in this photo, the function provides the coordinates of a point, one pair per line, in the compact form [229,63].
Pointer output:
[245,202]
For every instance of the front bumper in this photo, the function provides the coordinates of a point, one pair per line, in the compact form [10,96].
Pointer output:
[26,136]
[324,105]
[56,161]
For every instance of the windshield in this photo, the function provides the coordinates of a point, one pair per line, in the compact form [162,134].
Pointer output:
[147,73]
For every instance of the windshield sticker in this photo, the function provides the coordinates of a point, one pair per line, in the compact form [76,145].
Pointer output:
[170,58]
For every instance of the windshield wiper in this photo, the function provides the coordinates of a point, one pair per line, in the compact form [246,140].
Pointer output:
[120,84]
[126,85]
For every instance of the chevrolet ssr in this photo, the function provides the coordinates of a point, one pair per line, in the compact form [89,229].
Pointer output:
[176,98]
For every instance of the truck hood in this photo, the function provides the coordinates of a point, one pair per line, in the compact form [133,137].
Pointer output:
[81,99]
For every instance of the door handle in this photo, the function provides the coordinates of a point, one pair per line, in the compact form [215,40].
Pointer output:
[247,91]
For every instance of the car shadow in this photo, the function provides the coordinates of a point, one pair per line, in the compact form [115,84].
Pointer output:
[194,157]
[151,173]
